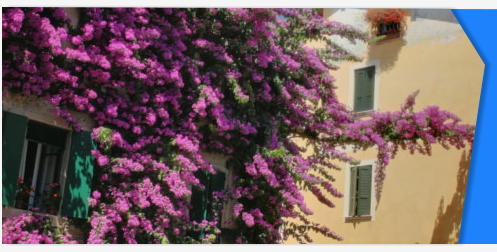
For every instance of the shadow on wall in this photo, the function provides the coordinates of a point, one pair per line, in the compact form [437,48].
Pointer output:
[76,200]
[434,14]
[448,222]
[387,51]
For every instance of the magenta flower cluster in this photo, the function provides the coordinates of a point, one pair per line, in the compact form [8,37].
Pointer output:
[165,86]
[29,228]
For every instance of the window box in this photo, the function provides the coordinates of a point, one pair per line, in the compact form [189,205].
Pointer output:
[386,23]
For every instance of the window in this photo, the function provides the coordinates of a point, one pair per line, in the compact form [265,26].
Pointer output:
[40,172]
[360,193]
[204,205]
[45,168]
[389,29]
[364,89]
[386,23]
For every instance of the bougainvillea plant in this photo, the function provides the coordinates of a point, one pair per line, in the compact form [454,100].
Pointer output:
[165,86]
[29,228]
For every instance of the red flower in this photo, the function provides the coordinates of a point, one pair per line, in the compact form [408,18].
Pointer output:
[56,195]
[20,180]
[385,15]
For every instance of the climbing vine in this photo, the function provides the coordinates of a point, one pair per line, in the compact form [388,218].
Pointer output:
[165,86]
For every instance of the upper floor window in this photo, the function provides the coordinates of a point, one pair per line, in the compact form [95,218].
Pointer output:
[386,23]
[364,89]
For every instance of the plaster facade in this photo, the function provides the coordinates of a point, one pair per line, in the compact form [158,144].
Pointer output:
[422,197]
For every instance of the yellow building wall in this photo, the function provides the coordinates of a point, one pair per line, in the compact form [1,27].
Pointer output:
[423,196]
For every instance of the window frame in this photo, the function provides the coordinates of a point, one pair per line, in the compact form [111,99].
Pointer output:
[218,161]
[40,110]
[348,196]
[376,85]
[394,33]
[28,109]
[64,163]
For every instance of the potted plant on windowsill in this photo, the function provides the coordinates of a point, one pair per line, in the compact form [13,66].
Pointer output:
[23,192]
[52,198]
[386,23]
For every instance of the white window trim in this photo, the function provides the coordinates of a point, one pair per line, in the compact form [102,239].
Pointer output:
[353,68]
[347,196]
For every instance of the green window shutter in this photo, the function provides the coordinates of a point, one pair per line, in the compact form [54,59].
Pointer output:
[364,89]
[364,190]
[353,187]
[79,176]
[217,184]
[202,201]
[13,132]
[199,198]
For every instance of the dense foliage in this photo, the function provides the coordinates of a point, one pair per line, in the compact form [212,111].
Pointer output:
[165,86]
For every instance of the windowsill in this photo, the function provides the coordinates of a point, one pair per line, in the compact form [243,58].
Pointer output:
[9,211]
[350,219]
[362,114]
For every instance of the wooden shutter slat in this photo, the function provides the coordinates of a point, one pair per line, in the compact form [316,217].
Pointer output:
[13,135]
